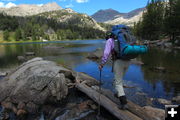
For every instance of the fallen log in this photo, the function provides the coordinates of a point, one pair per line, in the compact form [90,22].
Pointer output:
[133,108]
[106,103]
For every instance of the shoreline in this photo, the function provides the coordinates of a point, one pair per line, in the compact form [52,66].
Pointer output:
[40,41]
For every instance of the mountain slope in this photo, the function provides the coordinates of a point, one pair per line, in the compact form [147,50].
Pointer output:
[28,10]
[125,18]
[106,15]
[53,11]
[68,16]
[129,18]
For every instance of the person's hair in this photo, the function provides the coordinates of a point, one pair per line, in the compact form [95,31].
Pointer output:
[109,35]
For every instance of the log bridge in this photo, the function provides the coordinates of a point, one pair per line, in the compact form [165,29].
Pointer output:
[111,103]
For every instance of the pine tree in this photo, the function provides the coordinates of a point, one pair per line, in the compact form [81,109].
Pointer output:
[18,34]
[6,35]
[172,17]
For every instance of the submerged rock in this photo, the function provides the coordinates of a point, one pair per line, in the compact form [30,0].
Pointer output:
[30,53]
[21,58]
[76,112]
[164,101]
[93,56]
[159,69]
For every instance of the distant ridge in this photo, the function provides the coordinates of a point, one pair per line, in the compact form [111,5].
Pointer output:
[111,16]
[106,15]
[30,9]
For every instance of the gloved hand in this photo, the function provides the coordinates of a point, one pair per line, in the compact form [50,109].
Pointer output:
[100,67]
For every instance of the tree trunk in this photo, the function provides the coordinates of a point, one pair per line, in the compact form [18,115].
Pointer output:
[106,103]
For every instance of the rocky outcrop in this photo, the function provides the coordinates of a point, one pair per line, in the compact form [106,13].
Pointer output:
[33,84]
[37,83]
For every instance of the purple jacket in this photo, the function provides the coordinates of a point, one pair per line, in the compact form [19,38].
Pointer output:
[108,50]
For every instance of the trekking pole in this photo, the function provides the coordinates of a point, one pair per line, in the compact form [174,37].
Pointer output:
[99,106]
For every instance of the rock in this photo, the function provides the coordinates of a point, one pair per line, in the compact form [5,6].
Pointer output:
[21,105]
[160,43]
[137,62]
[77,112]
[167,44]
[158,69]
[176,99]
[164,101]
[30,53]
[53,47]
[90,81]
[21,112]
[158,114]
[93,56]
[21,58]
[3,74]
[35,82]
[7,105]
[177,48]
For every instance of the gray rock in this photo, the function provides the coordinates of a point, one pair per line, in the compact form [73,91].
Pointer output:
[21,58]
[29,53]
[93,56]
[158,114]
[164,101]
[168,44]
[34,82]
[77,112]
[3,74]
[160,43]
[176,99]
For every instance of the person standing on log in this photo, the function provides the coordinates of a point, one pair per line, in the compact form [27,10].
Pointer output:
[119,67]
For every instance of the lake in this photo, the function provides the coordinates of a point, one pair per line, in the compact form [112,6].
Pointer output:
[72,54]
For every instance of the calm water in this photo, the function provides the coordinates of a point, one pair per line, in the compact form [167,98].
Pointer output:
[73,55]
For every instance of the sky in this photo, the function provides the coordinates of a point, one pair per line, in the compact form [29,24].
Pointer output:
[84,6]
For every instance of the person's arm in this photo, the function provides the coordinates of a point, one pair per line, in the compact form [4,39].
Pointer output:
[107,52]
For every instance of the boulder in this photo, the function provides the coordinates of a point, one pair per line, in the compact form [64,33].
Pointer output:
[158,114]
[32,84]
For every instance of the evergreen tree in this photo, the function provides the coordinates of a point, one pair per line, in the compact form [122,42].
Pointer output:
[18,34]
[172,17]
[6,35]
[152,20]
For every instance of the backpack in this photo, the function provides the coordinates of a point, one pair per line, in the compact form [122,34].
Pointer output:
[124,38]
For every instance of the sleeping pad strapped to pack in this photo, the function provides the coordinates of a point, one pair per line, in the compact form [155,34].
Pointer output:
[123,43]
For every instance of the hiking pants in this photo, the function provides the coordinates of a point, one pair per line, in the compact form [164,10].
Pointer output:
[119,68]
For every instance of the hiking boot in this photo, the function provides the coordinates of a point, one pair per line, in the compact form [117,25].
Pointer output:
[123,101]
[116,95]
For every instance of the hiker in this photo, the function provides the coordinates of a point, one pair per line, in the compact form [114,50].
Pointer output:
[120,45]
[119,68]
